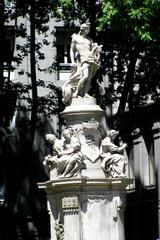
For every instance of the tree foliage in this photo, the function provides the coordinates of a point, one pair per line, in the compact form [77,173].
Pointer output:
[133,31]
[129,31]
[18,156]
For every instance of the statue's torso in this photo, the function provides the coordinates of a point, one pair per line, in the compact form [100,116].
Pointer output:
[82,45]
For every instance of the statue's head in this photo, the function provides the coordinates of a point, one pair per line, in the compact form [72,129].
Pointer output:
[50,138]
[113,133]
[85,27]
[67,134]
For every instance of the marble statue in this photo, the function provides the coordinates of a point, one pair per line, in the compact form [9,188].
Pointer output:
[113,160]
[50,161]
[85,59]
[67,157]
[87,173]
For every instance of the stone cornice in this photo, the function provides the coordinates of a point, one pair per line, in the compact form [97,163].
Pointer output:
[82,184]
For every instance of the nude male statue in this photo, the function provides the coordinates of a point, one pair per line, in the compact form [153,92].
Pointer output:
[85,59]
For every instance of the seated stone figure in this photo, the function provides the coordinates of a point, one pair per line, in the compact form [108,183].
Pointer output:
[68,159]
[85,58]
[113,160]
[50,160]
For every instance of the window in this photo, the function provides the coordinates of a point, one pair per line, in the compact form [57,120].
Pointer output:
[63,41]
[63,55]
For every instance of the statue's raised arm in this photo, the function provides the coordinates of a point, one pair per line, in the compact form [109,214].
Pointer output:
[85,59]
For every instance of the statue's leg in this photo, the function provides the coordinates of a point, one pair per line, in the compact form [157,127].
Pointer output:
[74,171]
[87,87]
[92,72]
[119,166]
[67,94]
[81,84]
[69,166]
[106,164]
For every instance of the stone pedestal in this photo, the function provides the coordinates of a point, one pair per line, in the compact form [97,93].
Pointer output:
[81,110]
[91,205]
[87,208]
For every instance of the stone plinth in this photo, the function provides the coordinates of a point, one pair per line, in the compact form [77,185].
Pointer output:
[82,109]
[87,187]
[86,208]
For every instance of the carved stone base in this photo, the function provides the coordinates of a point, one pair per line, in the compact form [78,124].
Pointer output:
[84,116]
[82,109]
[89,206]
[82,208]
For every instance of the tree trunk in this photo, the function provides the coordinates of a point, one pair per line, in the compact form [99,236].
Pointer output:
[128,84]
[1,42]
[33,75]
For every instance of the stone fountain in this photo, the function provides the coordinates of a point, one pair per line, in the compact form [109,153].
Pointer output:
[87,171]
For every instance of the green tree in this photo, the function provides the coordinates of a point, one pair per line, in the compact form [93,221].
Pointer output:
[129,31]
[18,159]
[133,29]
